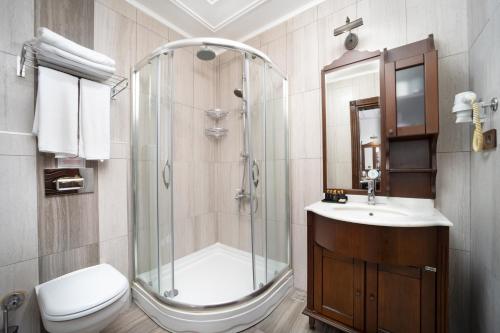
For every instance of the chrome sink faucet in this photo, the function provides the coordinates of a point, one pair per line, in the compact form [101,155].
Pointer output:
[371,180]
[371,191]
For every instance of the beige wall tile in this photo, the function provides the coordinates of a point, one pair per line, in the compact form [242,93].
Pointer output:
[433,17]
[276,51]
[152,24]
[302,59]
[114,36]
[453,78]
[147,41]
[305,18]
[19,236]
[113,217]
[330,47]
[459,291]
[122,7]
[206,230]
[305,125]
[299,256]
[115,252]
[182,133]
[17,144]
[204,84]
[273,33]
[55,265]
[384,24]
[183,77]
[332,6]
[22,276]
[16,97]
[453,196]
[306,187]
[16,24]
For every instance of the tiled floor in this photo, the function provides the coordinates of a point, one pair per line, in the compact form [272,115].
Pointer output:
[286,318]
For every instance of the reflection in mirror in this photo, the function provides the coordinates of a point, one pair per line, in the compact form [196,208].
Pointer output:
[353,120]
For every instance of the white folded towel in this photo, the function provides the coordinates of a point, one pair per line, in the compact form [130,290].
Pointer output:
[50,51]
[95,137]
[49,37]
[50,56]
[56,113]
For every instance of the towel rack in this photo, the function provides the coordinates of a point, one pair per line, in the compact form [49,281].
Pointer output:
[28,58]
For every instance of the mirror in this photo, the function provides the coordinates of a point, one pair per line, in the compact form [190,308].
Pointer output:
[352,119]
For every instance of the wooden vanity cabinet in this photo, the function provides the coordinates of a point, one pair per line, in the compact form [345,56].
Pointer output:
[411,89]
[376,279]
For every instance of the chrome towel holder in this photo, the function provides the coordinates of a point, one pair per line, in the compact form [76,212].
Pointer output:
[28,58]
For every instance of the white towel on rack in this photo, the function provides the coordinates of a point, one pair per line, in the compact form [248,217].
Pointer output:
[49,37]
[56,113]
[95,137]
[72,59]
[53,57]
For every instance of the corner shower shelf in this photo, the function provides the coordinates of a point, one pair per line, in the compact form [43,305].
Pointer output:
[217,114]
[216,132]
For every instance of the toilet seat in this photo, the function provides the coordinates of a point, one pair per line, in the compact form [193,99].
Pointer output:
[81,295]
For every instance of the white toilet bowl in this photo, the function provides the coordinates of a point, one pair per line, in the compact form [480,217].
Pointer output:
[84,301]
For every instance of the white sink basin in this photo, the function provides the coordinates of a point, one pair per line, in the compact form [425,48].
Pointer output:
[369,211]
[395,212]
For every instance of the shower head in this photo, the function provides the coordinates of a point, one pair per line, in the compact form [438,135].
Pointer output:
[238,93]
[205,53]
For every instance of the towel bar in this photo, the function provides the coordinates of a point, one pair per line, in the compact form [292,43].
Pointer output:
[28,58]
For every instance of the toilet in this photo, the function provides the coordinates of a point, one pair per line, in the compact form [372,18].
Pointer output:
[83,301]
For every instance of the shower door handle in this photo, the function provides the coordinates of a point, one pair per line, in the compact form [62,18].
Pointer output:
[166,168]
[255,173]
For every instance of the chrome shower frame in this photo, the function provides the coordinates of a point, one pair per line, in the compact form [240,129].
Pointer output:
[246,52]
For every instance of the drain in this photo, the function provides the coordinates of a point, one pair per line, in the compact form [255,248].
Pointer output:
[371,214]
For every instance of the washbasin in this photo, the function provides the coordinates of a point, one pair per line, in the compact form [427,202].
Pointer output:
[370,211]
[389,212]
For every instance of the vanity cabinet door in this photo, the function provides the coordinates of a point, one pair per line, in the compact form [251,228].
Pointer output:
[339,288]
[400,299]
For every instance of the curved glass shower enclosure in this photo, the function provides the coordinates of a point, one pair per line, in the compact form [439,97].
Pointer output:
[210,176]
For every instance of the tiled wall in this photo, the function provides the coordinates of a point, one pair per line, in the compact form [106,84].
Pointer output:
[484,69]
[304,44]
[18,203]
[68,226]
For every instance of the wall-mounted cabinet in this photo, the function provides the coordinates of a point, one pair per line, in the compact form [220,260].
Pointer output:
[411,89]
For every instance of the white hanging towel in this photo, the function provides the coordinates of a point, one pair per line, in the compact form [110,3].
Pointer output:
[47,36]
[56,113]
[95,137]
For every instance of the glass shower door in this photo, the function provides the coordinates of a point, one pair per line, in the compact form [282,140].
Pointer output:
[276,174]
[145,177]
[256,109]
[152,176]
[165,176]
[268,165]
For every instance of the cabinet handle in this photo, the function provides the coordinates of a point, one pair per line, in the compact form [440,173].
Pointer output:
[391,131]
[372,297]
[358,293]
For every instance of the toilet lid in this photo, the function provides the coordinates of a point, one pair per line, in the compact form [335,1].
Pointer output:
[81,293]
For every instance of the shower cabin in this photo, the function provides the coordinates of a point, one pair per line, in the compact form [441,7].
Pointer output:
[210,180]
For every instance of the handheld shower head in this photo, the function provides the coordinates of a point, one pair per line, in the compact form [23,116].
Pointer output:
[238,93]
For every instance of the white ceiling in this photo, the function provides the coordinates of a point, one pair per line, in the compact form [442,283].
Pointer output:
[233,19]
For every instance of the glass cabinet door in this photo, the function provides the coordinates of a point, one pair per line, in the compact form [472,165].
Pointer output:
[410,99]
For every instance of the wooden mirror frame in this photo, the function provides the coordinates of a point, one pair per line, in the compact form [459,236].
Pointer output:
[349,58]
[356,107]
